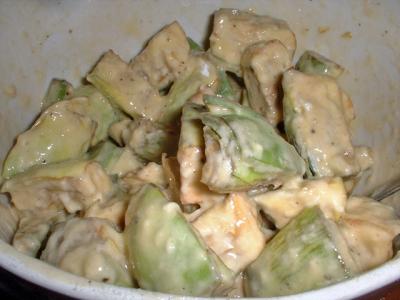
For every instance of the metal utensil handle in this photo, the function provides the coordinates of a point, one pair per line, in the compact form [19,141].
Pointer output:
[386,193]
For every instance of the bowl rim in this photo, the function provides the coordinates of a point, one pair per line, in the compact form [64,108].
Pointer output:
[55,279]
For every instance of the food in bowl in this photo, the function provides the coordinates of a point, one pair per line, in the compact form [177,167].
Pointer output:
[223,172]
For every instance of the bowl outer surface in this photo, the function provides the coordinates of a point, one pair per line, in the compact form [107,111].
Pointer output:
[43,39]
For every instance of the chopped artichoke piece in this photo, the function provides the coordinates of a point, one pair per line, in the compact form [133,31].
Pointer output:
[191,157]
[91,248]
[369,228]
[284,204]
[113,209]
[165,57]
[149,140]
[314,63]
[33,229]
[97,108]
[63,131]
[235,30]
[315,123]
[232,231]
[242,148]
[106,154]
[151,173]
[58,134]
[115,160]
[135,87]
[131,90]
[201,72]
[58,90]
[174,260]
[117,130]
[128,89]
[300,257]
[263,65]
[222,64]
[73,185]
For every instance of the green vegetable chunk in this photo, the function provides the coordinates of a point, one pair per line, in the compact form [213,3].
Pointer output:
[314,63]
[167,255]
[115,160]
[150,140]
[135,87]
[72,184]
[125,87]
[65,130]
[58,134]
[201,72]
[302,256]
[97,108]
[57,91]
[243,149]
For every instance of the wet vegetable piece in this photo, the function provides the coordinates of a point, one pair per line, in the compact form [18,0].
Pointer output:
[314,63]
[63,131]
[191,157]
[200,73]
[57,91]
[135,87]
[114,159]
[369,228]
[174,260]
[33,229]
[285,203]
[235,30]
[315,122]
[149,140]
[125,88]
[97,108]
[242,149]
[263,65]
[58,134]
[302,256]
[89,247]
[165,57]
[73,185]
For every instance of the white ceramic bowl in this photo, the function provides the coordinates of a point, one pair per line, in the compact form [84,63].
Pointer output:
[42,39]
